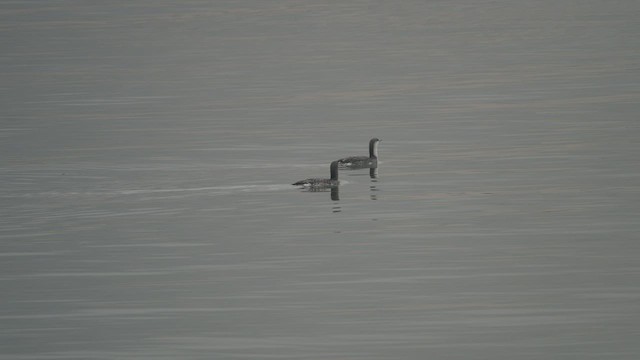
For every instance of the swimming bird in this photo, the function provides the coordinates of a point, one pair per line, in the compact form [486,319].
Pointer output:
[320,182]
[359,162]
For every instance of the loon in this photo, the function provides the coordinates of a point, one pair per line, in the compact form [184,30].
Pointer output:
[359,162]
[320,182]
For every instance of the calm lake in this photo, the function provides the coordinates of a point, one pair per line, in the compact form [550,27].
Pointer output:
[148,147]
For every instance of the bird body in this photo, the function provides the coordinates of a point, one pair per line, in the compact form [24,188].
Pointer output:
[322,182]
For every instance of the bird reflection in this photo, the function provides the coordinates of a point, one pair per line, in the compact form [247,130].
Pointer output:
[335,196]
[373,174]
[334,190]
[335,193]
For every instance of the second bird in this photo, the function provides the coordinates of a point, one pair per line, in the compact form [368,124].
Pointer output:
[360,162]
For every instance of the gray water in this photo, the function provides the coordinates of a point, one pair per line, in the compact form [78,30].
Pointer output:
[148,147]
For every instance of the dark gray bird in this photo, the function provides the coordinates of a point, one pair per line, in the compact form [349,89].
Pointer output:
[321,182]
[360,162]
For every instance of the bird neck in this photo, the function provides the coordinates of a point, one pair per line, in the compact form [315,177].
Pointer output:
[373,149]
[334,170]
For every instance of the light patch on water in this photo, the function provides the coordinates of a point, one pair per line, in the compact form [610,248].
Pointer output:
[228,189]
[35,253]
[217,190]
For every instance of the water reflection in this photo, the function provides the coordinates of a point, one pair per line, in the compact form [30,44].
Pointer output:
[373,174]
[335,193]
[334,190]
[335,196]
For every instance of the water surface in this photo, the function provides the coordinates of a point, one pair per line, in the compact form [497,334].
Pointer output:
[148,147]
